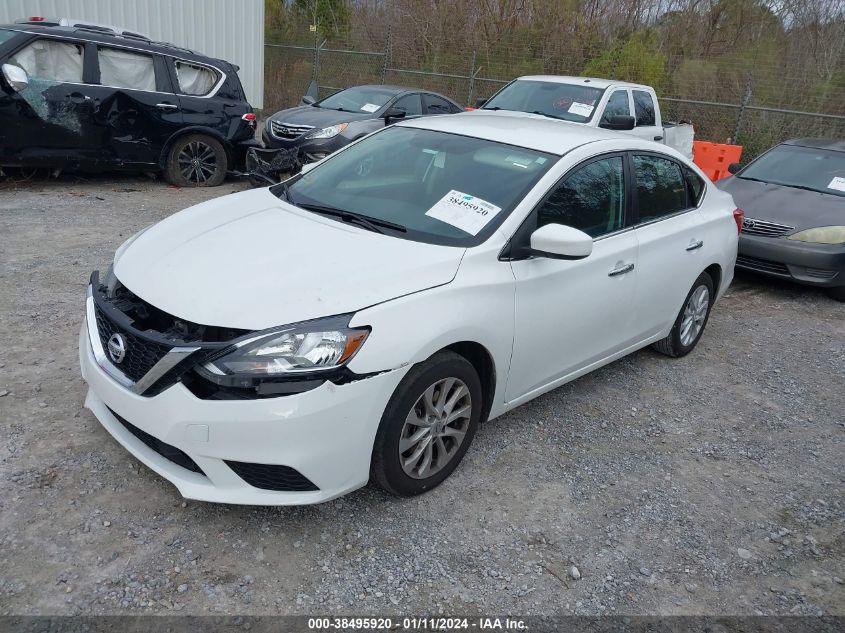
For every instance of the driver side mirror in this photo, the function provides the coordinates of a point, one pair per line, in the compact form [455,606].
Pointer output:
[393,113]
[480,102]
[619,122]
[558,241]
[734,167]
[307,100]
[15,76]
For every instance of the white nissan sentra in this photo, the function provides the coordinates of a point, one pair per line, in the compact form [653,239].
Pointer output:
[287,345]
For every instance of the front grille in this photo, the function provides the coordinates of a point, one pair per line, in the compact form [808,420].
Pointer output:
[178,457]
[272,477]
[750,226]
[141,354]
[762,265]
[288,130]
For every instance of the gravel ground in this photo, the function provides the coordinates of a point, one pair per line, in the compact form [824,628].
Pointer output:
[711,484]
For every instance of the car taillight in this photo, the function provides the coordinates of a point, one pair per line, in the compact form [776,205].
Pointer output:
[36,18]
[249,116]
[739,216]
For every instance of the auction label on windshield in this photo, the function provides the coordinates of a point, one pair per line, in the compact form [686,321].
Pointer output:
[463,211]
[838,183]
[581,109]
[370,107]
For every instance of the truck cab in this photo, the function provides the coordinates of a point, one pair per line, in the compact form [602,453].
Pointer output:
[605,103]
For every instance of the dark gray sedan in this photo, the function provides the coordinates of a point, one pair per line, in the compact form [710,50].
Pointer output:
[793,197]
[319,128]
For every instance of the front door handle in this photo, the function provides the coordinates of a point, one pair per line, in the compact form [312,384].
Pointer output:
[621,270]
[658,138]
[695,245]
[167,106]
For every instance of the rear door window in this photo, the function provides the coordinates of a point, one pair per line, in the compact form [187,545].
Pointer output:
[125,69]
[644,106]
[195,80]
[437,105]
[52,60]
[661,188]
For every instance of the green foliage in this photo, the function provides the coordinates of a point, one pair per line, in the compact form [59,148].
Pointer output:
[636,59]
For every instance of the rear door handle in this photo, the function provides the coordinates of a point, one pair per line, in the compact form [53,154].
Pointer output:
[695,244]
[658,138]
[167,106]
[621,270]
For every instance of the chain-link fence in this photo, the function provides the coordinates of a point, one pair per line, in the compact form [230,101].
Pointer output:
[735,99]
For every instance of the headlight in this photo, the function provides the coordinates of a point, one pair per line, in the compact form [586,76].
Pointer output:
[328,132]
[294,350]
[821,235]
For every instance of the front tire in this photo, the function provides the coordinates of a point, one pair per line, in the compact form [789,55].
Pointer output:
[428,425]
[689,325]
[196,160]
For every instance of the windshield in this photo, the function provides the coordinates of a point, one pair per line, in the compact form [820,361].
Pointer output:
[362,99]
[442,188]
[570,102]
[820,170]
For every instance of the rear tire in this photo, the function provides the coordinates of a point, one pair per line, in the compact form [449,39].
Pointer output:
[837,293]
[428,425]
[196,160]
[689,325]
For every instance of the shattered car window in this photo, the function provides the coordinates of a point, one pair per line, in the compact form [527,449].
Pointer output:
[195,80]
[122,69]
[51,60]
[6,35]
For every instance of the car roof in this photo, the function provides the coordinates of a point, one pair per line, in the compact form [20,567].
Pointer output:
[103,37]
[521,129]
[593,82]
[398,89]
[836,144]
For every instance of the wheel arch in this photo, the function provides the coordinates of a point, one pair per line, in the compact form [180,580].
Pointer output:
[195,129]
[482,360]
[715,272]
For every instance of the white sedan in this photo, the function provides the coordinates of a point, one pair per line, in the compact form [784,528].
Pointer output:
[359,321]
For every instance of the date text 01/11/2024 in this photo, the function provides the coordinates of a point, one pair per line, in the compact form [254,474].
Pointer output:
[416,624]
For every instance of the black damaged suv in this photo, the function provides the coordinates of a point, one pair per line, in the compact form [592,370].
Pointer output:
[88,97]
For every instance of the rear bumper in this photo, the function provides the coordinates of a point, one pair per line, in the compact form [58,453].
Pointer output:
[803,262]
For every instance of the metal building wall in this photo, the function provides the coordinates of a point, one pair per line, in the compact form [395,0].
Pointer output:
[229,29]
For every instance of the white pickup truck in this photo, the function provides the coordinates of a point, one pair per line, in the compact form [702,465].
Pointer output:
[615,105]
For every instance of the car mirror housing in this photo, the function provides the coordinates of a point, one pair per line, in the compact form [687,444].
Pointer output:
[480,102]
[734,168]
[393,113]
[307,100]
[558,241]
[619,122]
[15,76]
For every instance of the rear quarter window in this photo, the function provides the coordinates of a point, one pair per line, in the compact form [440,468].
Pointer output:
[194,79]
[6,35]
[696,186]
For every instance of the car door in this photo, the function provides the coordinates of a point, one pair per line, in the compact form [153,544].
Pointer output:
[671,236]
[570,315]
[134,102]
[202,99]
[645,112]
[54,123]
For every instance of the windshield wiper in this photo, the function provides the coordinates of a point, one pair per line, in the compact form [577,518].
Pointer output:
[366,221]
[551,116]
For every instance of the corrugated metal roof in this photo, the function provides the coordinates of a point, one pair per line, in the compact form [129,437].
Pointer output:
[229,30]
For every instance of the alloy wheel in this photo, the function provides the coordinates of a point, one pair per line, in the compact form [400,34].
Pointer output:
[435,428]
[695,313]
[197,162]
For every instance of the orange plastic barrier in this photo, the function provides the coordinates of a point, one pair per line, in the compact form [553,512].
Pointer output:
[714,158]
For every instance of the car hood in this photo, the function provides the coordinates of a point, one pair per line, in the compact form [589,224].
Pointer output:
[785,205]
[318,117]
[252,261]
